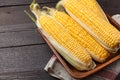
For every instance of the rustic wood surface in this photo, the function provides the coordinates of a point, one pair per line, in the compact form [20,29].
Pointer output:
[23,53]
[110,6]
[4,3]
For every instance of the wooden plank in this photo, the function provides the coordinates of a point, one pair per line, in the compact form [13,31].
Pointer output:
[27,75]
[14,18]
[110,6]
[17,27]
[26,58]
[24,62]
[11,39]
[15,15]
[23,2]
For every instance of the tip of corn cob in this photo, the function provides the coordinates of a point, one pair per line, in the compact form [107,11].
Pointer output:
[48,10]
[59,6]
[35,9]
[32,4]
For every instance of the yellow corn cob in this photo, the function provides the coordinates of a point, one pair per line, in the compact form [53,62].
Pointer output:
[97,51]
[91,4]
[105,33]
[94,6]
[64,43]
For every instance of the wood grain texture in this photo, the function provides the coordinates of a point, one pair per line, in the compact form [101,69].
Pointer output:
[24,63]
[110,6]
[26,58]
[27,75]
[17,27]
[23,2]
[23,53]
[12,39]
[15,15]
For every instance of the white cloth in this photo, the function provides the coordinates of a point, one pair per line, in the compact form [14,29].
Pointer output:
[55,69]
[116,18]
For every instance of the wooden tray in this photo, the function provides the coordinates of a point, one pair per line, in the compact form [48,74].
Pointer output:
[81,74]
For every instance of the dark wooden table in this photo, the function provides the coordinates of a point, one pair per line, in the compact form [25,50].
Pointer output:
[23,53]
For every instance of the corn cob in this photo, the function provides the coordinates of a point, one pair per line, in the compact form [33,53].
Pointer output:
[97,52]
[105,33]
[95,7]
[91,4]
[64,43]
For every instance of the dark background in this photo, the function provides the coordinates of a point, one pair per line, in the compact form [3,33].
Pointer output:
[23,53]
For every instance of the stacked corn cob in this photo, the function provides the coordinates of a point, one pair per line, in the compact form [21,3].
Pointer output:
[98,53]
[91,4]
[78,41]
[63,42]
[106,34]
